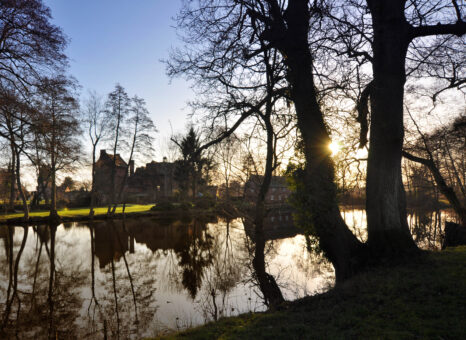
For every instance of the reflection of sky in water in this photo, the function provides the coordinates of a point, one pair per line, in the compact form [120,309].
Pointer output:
[183,273]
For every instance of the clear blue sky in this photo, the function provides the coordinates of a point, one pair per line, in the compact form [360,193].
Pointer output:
[123,41]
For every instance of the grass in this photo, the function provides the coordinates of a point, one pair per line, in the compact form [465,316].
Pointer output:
[422,299]
[79,212]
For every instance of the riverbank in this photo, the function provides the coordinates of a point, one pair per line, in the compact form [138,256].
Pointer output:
[425,298]
[100,213]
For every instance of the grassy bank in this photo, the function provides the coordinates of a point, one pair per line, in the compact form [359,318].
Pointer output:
[423,299]
[79,212]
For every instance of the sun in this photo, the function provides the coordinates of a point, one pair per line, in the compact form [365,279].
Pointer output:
[334,147]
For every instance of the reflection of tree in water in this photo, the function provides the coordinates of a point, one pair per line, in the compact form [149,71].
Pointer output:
[126,302]
[194,255]
[47,303]
[425,227]
[312,265]
[222,276]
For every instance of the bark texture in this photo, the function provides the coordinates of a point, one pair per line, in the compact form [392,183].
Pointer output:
[342,248]
[388,231]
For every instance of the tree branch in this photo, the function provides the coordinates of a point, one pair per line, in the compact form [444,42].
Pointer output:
[458,28]
[363,111]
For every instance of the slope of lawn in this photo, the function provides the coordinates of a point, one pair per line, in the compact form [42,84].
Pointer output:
[78,212]
[422,299]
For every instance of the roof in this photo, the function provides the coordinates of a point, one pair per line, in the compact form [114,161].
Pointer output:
[108,159]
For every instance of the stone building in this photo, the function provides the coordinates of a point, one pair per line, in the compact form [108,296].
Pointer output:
[153,182]
[5,180]
[277,194]
[150,183]
[103,175]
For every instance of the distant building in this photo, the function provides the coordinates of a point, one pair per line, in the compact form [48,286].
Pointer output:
[149,183]
[278,192]
[153,182]
[5,180]
[103,175]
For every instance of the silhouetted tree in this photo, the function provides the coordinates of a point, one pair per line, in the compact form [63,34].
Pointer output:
[192,171]
[30,45]
[141,129]
[59,128]
[443,153]
[97,129]
[15,127]
[118,106]
[237,37]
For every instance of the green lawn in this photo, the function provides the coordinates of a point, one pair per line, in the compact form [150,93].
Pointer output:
[422,299]
[130,208]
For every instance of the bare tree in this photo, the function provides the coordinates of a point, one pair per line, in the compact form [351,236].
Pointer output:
[30,45]
[59,127]
[442,153]
[14,127]
[233,36]
[98,129]
[118,107]
[142,129]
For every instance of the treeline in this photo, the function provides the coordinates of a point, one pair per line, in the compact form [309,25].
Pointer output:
[41,120]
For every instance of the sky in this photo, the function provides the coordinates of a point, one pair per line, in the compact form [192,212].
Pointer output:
[124,41]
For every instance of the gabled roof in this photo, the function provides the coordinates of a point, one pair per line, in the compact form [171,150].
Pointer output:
[108,159]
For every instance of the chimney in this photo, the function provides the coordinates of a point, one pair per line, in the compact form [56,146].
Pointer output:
[165,159]
[131,168]
[103,153]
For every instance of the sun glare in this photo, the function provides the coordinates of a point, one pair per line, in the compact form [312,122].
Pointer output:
[334,147]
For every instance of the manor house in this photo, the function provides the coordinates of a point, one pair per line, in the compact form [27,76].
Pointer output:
[150,183]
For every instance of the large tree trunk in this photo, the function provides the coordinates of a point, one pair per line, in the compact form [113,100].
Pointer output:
[388,231]
[339,244]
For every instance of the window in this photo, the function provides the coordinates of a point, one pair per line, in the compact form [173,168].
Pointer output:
[271,197]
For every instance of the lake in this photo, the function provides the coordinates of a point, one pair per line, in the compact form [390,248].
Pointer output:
[144,277]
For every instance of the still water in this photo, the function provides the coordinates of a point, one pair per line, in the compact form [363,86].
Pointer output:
[145,277]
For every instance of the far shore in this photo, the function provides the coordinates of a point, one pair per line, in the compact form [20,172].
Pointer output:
[100,213]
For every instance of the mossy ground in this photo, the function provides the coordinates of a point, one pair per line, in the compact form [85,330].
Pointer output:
[78,212]
[424,298]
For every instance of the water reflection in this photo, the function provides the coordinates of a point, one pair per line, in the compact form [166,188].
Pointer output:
[142,277]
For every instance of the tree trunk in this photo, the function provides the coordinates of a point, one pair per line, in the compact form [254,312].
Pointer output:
[272,294]
[53,203]
[12,179]
[53,172]
[388,231]
[91,208]
[20,188]
[341,247]
[114,165]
